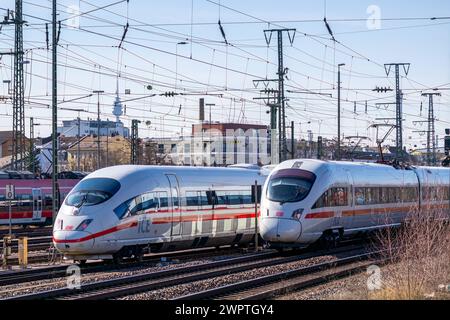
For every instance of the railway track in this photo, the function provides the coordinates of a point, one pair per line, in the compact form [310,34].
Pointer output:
[35,244]
[57,271]
[124,286]
[28,232]
[269,286]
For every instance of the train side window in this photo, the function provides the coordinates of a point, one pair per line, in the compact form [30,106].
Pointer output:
[374,195]
[135,206]
[191,199]
[122,210]
[409,194]
[148,203]
[24,200]
[175,200]
[333,197]
[248,198]
[322,201]
[360,197]
[434,194]
[212,198]
[234,198]
[221,198]
[368,196]
[404,194]
[340,196]
[445,192]
[392,195]
[48,200]
[163,200]
[384,195]
[203,198]
[3,203]
[398,194]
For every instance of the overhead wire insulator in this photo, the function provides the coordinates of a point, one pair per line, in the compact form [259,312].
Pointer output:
[329,29]
[124,34]
[59,32]
[222,31]
[46,35]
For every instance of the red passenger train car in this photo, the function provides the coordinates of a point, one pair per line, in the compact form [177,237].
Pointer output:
[33,200]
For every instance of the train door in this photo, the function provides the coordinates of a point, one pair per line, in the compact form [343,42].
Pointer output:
[206,212]
[37,203]
[175,204]
[347,212]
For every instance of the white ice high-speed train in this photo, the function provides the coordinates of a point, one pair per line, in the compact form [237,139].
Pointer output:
[127,210]
[307,200]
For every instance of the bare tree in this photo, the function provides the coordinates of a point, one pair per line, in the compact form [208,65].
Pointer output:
[418,253]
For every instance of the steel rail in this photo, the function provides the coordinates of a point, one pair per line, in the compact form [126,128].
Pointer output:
[281,278]
[56,271]
[114,288]
[127,280]
[211,271]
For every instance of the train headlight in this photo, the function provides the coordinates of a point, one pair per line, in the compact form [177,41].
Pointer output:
[297,214]
[83,225]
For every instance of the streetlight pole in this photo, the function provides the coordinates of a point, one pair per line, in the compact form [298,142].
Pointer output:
[210,142]
[78,142]
[338,155]
[98,92]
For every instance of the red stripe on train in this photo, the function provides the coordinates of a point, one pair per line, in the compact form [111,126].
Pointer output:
[320,215]
[98,234]
[161,221]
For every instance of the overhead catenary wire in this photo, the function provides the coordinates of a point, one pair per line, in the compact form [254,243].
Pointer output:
[243,76]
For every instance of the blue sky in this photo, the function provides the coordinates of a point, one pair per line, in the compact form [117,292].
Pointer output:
[89,58]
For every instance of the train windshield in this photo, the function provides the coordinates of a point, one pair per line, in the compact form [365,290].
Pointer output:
[290,185]
[92,191]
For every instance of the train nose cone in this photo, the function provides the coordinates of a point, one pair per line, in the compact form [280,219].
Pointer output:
[280,230]
[73,241]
